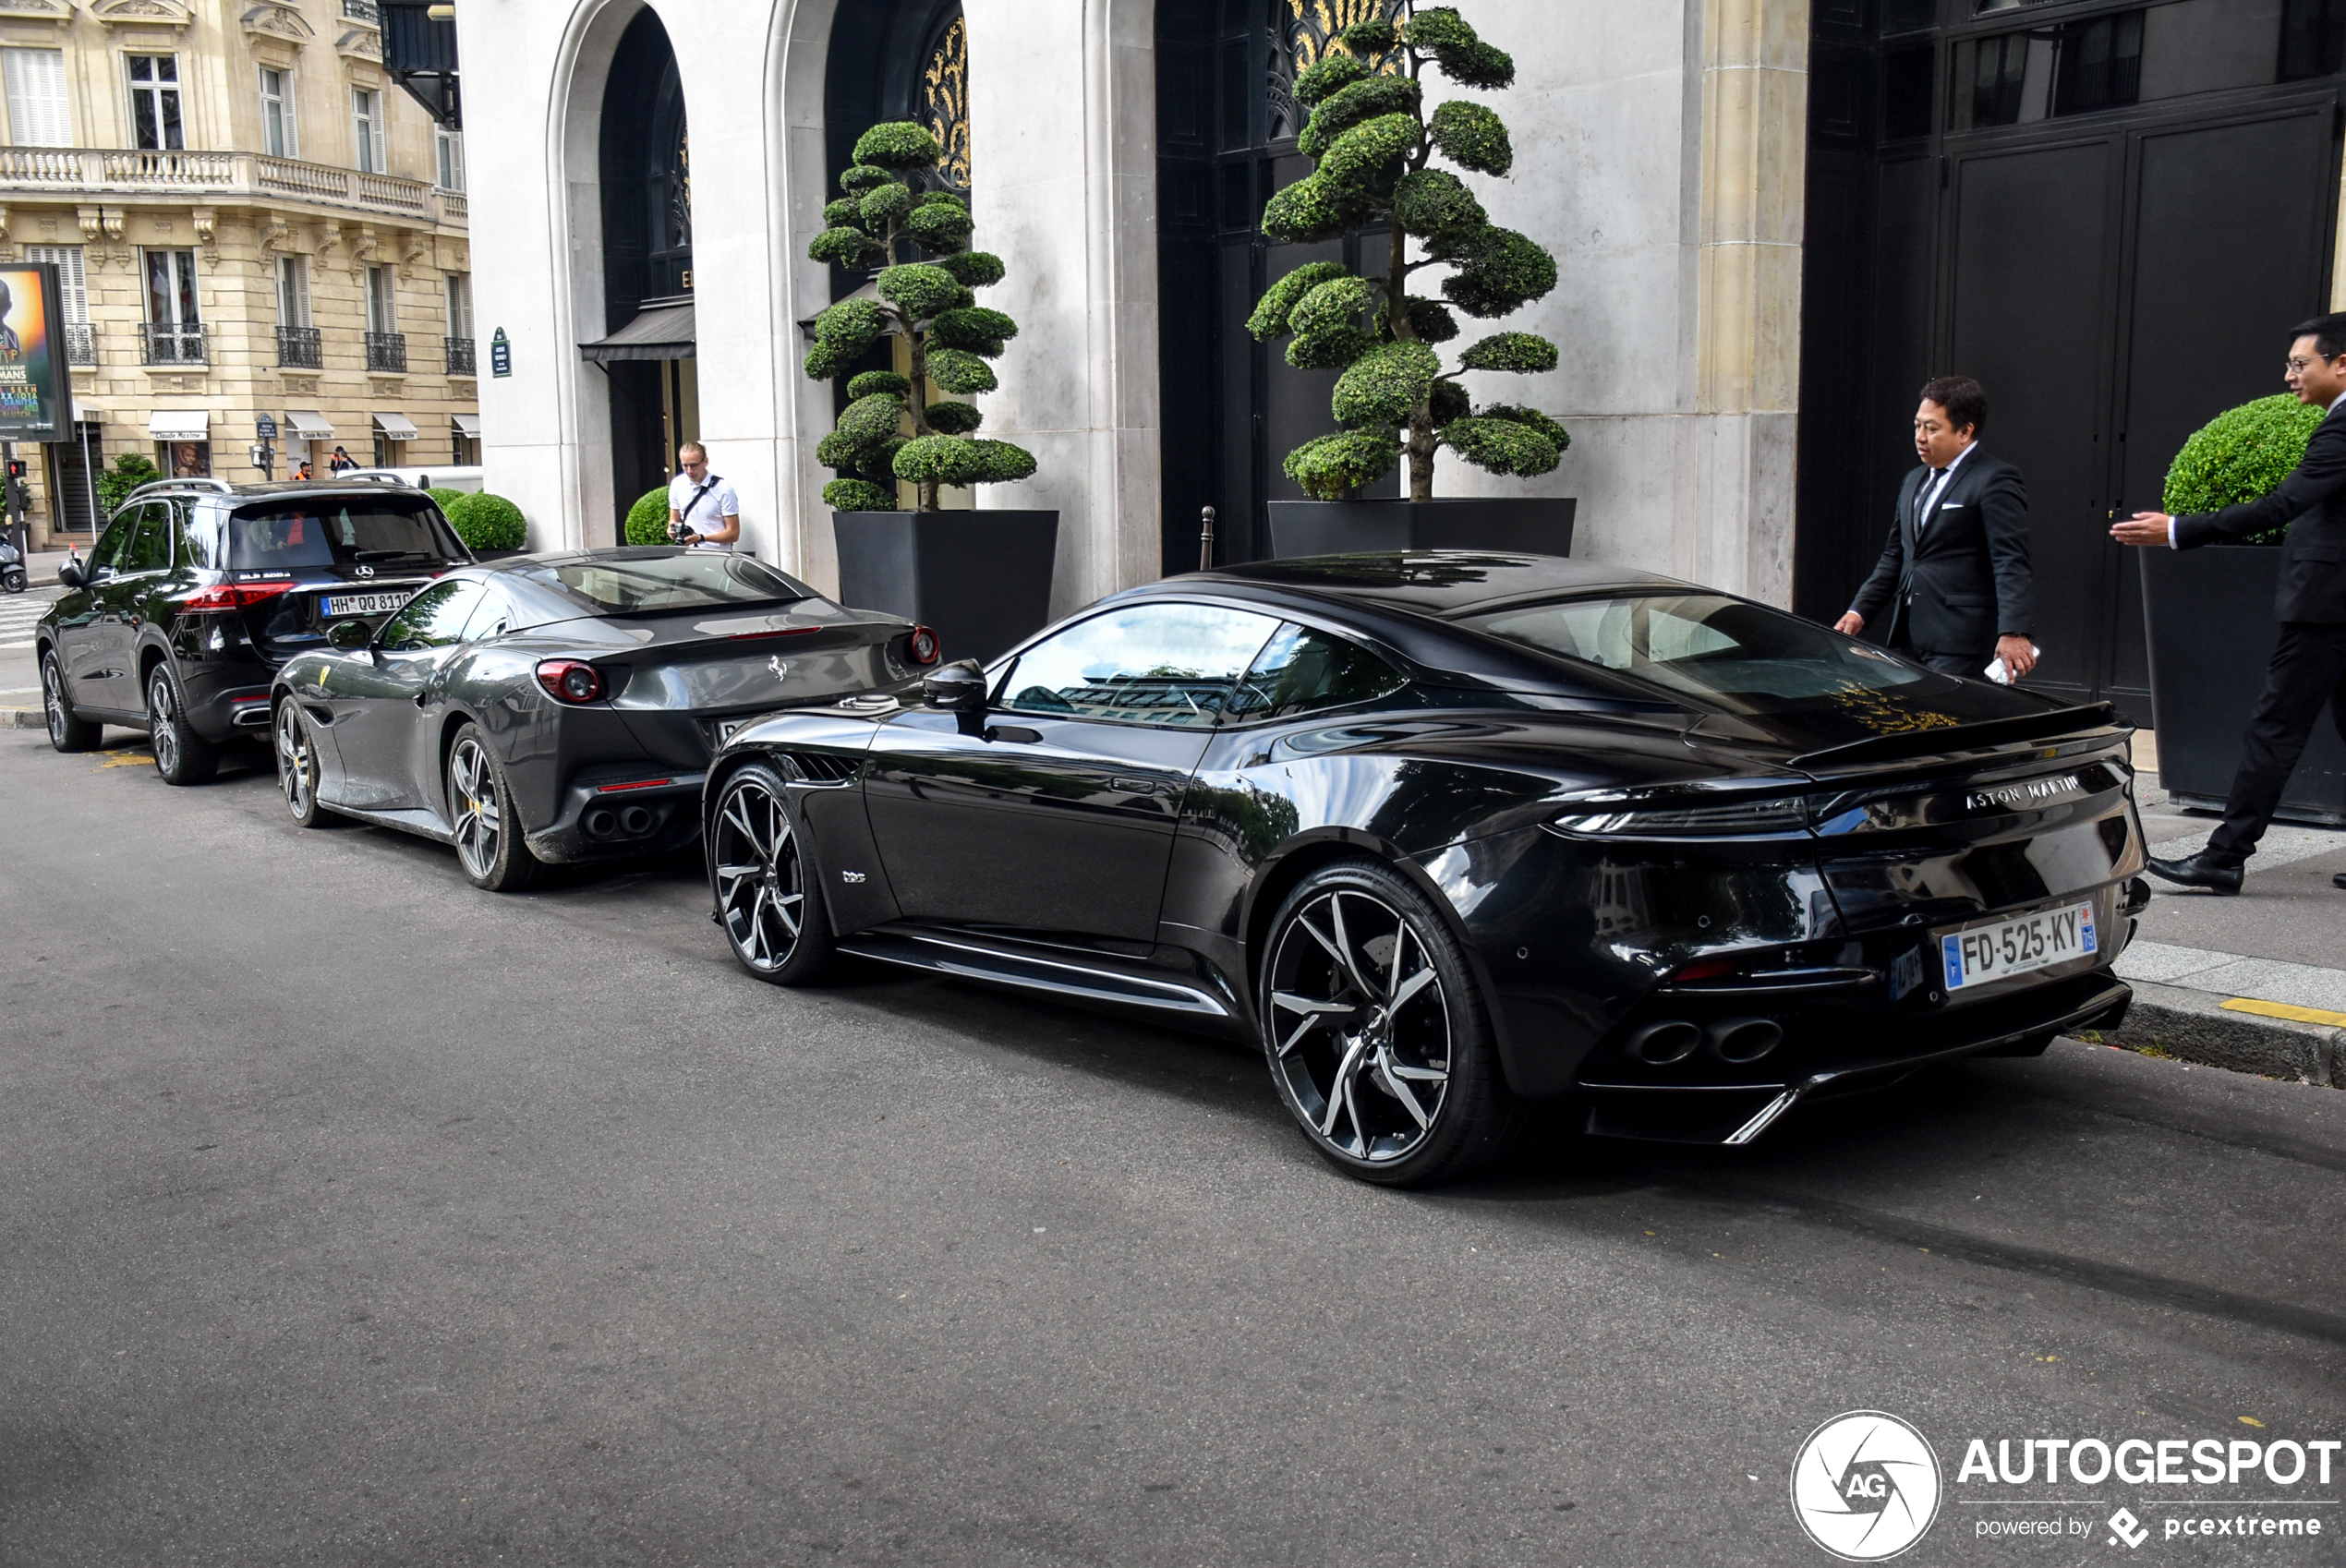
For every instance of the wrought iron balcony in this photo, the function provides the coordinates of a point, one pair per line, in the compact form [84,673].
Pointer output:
[387,351]
[362,11]
[173,343]
[59,172]
[300,348]
[460,356]
[81,342]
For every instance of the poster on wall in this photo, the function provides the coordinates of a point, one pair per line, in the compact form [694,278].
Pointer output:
[36,394]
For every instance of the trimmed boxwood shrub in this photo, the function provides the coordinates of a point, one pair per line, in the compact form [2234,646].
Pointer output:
[2240,455]
[889,430]
[129,471]
[647,519]
[1372,136]
[488,522]
[441,496]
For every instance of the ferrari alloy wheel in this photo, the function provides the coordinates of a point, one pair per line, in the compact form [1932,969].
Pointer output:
[182,757]
[67,731]
[760,878]
[298,769]
[480,811]
[1376,1039]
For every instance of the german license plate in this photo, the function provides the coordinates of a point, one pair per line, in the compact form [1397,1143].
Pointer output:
[2018,945]
[363,604]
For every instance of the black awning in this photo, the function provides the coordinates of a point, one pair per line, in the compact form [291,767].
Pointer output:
[665,332]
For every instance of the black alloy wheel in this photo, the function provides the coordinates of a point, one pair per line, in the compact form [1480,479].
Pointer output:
[481,808]
[67,731]
[774,920]
[182,757]
[298,769]
[1377,1039]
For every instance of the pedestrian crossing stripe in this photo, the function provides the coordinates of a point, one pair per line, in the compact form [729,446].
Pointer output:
[19,612]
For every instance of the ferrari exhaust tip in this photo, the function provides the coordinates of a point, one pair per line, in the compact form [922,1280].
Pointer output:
[637,820]
[1664,1042]
[1743,1040]
[600,823]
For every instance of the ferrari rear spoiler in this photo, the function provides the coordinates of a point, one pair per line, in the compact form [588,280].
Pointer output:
[1954,741]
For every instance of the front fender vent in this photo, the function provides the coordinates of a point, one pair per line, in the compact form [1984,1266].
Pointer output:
[823,767]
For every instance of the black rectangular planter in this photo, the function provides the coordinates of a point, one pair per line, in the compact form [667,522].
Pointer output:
[981,580]
[2209,620]
[1516,524]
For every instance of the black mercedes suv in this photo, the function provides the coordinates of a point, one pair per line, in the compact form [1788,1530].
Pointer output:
[199,589]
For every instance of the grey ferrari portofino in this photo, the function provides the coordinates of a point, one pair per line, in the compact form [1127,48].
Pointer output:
[563,708]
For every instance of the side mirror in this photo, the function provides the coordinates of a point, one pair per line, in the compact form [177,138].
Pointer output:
[956,688]
[70,574]
[349,635]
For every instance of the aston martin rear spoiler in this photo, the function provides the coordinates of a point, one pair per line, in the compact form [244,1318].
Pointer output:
[1956,740]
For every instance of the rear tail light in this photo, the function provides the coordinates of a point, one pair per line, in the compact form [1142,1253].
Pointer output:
[1737,819]
[234,596]
[924,647]
[570,680]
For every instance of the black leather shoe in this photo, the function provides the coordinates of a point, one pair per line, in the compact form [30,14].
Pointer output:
[2339,880]
[2197,872]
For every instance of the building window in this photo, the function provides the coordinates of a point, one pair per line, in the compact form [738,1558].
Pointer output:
[174,327]
[2101,64]
[367,129]
[298,341]
[448,147]
[155,102]
[386,345]
[460,324]
[73,291]
[39,114]
[277,135]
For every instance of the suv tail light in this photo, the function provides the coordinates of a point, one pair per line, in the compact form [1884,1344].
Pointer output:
[924,647]
[569,681]
[234,596]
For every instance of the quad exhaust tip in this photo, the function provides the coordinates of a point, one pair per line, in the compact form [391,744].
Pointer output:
[1737,1040]
[1743,1040]
[1665,1041]
[637,820]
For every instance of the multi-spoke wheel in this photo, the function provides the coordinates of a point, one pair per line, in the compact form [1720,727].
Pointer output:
[67,730]
[481,810]
[297,768]
[182,757]
[1376,1039]
[763,883]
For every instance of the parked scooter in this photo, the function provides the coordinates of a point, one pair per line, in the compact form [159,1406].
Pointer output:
[12,577]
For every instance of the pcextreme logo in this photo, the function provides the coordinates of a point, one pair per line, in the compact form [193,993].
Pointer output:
[1864,1486]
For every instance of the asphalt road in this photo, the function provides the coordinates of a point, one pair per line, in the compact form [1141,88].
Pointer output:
[349,1215]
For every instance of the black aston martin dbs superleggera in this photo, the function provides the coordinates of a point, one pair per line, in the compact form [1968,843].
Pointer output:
[1454,834]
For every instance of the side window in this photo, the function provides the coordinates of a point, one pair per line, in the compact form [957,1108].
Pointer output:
[1301,670]
[150,546]
[1169,664]
[199,543]
[433,619]
[491,617]
[108,551]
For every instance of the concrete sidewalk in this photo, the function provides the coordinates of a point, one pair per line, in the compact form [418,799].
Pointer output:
[2255,982]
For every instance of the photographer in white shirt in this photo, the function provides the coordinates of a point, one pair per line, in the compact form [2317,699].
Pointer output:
[703,511]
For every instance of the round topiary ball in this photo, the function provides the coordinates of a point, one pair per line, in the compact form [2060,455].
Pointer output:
[647,519]
[441,496]
[488,522]
[2240,455]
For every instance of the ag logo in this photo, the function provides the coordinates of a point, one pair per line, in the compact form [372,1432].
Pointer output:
[1864,1486]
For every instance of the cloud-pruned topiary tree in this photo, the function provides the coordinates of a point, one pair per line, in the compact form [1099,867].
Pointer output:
[1371,139]
[877,223]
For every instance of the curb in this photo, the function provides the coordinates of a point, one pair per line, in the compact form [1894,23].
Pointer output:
[23,718]
[2197,1027]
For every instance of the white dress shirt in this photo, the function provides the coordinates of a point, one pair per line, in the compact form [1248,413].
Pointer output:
[2170,521]
[1926,499]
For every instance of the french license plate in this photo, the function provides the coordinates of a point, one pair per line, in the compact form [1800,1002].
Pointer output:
[2018,945]
[363,604]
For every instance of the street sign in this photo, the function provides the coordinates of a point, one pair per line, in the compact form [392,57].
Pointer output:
[501,355]
[265,428]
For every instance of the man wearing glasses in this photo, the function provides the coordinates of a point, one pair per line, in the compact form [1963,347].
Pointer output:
[2309,661]
[703,511]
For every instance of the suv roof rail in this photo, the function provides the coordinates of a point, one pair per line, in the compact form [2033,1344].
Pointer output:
[220,486]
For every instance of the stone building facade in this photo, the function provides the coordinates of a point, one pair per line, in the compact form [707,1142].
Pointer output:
[250,220]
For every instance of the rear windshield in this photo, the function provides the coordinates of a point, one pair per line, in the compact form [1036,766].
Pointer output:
[1739,657]
[340,530]
[702,579]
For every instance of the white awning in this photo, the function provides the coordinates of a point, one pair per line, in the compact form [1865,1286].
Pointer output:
[179,425]
[395,427]
[307,425]
[467,425]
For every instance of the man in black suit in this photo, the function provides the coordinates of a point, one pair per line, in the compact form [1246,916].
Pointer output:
[1955,577]
[2308,667]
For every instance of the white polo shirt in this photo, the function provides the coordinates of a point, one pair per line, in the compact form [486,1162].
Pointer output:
[718,503]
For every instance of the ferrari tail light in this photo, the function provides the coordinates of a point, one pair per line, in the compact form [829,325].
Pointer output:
[925,646]
[234,596]
[570,680]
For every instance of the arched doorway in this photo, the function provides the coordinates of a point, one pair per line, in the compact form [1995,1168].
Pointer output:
[1227,123]
[644,162]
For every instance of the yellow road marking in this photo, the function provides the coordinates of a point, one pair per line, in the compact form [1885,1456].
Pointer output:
[2283,1010]
[127,759]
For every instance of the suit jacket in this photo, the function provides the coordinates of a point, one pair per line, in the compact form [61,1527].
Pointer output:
[2312,563]
[1967,570]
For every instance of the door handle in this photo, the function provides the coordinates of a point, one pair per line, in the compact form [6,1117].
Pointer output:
[1135,786]
[1014,733]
